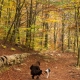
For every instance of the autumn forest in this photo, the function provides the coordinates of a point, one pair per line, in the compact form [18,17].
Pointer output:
[41,25]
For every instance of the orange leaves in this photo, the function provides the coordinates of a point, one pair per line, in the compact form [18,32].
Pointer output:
[51,20]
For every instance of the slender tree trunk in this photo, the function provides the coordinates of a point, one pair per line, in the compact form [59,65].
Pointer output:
[54,35]
[46,36]
[77,35]
[34,21]
[43,30]
[8,20]
[78,59]
[63,18]
[46,27]
[1,3]
[76,40]
[29,23]
[27,31]
[68,37]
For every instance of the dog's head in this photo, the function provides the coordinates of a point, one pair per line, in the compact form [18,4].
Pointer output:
[47,70]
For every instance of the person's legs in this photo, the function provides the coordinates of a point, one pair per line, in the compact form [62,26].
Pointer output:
[37,77]
[38,74]
[32,76]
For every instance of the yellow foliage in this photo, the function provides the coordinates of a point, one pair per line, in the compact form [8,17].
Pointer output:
[12,4]
[51,20]
[3,46]
[23,28]
[13,49]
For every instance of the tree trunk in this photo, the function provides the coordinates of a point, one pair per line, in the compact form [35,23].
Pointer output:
[46,36]
[29,23]
[55,36]
[68,37]
[1,3]
[62,40]
[76,40]
[78,59]
[34,21]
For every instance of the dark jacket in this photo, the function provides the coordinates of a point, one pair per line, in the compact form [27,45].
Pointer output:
[35,70]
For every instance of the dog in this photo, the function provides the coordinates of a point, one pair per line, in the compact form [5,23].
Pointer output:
[47,71]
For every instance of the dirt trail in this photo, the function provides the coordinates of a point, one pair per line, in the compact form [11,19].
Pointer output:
[62,65]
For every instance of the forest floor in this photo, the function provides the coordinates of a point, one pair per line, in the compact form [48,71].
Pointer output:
[62,65]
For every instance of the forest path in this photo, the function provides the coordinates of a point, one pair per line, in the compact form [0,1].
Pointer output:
[62,65]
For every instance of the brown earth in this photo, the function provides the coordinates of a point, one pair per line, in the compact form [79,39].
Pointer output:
[62,65]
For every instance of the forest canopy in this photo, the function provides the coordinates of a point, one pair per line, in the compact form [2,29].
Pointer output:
[41,24]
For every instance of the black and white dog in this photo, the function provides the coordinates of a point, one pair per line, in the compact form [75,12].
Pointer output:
[47,71]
